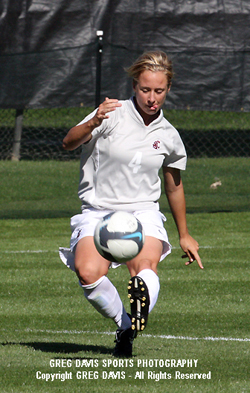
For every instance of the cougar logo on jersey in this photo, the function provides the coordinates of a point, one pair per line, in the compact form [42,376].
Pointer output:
[79,233]
[156,144]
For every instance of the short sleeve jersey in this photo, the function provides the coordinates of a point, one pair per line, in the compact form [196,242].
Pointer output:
[120,165]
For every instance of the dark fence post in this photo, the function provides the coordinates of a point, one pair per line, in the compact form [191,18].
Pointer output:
[99,34]
[15,156]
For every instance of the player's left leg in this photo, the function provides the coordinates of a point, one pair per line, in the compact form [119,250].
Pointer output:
[144,286]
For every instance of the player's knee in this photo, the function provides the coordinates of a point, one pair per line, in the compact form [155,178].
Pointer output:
[136,266]
[89,275]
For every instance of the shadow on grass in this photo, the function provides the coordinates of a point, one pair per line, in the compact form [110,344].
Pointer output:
[208,210]
[33,215]
[64,348]
[42,214]
[216,143]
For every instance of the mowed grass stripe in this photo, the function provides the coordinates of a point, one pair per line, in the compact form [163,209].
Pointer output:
[156,336]
[228,246]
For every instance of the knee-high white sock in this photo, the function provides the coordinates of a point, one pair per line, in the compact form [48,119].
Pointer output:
[104,297]
[152,281]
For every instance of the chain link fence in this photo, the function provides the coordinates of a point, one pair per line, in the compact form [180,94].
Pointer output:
[36,134]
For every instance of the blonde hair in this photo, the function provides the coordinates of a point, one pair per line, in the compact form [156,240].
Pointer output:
[151,61]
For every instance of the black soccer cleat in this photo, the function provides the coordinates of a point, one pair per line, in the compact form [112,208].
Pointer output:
[124,343]
[139,303]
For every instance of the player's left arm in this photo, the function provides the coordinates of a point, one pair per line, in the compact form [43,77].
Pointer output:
[176,199]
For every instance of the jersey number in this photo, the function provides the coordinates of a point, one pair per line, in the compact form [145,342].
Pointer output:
[135,163]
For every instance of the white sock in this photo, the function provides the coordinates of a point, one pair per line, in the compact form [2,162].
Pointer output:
[152,281]
[103,295]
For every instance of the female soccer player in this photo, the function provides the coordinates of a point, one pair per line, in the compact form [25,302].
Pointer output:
[124,145]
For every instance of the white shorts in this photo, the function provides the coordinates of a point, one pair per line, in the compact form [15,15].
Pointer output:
[84,224]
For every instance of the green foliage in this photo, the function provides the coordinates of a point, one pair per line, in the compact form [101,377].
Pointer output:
[190,120]
[208,120]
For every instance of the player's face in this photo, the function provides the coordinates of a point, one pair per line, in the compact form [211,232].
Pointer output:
[150,92]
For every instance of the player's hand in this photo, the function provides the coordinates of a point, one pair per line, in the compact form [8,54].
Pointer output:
[190,246]
[108,105]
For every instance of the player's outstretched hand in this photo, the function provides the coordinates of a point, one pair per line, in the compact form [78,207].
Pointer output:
[190,246]
[108,105]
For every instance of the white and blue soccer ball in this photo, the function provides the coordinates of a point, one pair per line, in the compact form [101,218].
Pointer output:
[119,236]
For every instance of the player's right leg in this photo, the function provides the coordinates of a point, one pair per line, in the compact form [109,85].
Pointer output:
[90,266]
[91,269]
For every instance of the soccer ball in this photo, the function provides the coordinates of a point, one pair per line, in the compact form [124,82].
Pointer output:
[119,236]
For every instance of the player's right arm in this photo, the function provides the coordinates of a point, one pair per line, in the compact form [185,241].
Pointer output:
[82,133]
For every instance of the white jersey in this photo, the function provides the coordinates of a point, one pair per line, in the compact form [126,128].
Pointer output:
[120,165]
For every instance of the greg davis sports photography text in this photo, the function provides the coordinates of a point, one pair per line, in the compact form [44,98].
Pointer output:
[108,369]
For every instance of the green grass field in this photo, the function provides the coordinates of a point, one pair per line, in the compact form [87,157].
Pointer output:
[200,315]
[68,117]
